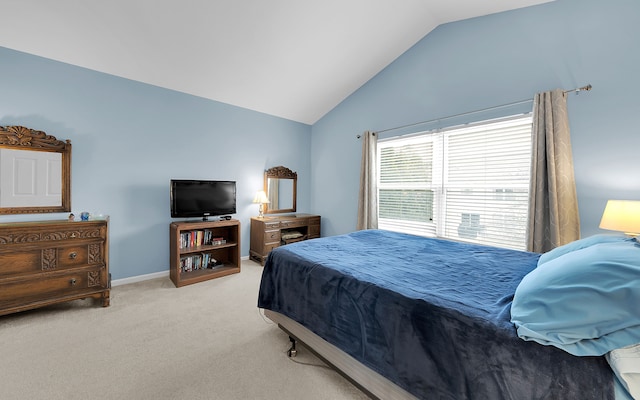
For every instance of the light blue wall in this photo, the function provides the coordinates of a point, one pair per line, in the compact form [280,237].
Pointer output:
[129,139]
[494,60]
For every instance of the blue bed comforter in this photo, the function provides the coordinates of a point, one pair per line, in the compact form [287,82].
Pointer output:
[431,315]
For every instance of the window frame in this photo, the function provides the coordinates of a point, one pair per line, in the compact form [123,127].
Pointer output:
[441,187]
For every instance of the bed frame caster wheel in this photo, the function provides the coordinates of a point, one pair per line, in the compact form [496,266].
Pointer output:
[292,352]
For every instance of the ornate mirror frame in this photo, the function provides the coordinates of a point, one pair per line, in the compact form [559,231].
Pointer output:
[22,138]
[276,174]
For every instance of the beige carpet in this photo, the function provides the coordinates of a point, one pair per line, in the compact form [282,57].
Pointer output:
[203,341]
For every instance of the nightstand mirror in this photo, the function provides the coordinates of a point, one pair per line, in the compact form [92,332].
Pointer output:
[280,185]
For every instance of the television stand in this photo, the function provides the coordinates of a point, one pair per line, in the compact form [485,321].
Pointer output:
[203,250]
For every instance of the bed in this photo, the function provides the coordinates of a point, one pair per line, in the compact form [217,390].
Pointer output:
[405,317]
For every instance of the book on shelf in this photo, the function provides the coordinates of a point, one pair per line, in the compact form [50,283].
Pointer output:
[218,241]
[191,239]
[198,261]
[199,237]
[208,233]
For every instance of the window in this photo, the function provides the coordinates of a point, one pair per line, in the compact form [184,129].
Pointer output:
[469,183]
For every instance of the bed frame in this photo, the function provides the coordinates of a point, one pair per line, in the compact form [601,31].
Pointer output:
[373,384]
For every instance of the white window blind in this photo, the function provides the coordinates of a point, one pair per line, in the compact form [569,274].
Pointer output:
[406,185]
[469,184]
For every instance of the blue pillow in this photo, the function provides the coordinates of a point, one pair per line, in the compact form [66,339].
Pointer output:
[578,245]
[586,302]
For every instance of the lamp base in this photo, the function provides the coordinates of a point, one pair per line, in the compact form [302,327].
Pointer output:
[261,211]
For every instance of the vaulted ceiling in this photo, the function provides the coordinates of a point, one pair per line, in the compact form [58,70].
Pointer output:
[295,59]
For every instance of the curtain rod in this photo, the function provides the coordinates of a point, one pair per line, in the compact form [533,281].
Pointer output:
[576,90]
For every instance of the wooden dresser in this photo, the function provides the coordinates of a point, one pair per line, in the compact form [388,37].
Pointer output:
[47,262]
[270,232]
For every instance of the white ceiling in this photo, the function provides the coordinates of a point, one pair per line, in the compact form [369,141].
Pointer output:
[295,59]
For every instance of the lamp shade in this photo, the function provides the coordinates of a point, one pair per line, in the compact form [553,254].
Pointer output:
[261,197]
[622,215]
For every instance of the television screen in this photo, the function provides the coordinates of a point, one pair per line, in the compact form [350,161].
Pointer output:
[200,198]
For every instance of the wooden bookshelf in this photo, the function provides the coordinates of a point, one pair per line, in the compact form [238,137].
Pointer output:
[203,250]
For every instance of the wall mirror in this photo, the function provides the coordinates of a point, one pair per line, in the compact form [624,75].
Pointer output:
[280,185]
[35,172]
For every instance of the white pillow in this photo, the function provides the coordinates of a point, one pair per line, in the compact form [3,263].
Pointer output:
[625,362]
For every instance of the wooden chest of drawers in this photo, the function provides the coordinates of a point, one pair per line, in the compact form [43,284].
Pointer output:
[268,233]
[47,262]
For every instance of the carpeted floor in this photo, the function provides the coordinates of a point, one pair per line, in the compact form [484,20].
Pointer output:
[202,341]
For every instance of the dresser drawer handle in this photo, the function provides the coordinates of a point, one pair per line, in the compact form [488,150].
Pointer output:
[73,255]
[73,281]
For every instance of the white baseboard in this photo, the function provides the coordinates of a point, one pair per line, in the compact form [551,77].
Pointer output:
[139,278]
[146,277]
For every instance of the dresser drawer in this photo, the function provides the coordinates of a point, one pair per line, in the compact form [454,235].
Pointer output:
[294,223]
[270,246]
[314,231]
[19,291]
[271,225]
[271,236]
[30,259]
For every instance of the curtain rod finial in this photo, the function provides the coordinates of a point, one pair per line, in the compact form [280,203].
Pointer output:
[580,89]
[584,88]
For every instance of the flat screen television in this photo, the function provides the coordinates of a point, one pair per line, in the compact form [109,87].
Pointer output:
[202,198]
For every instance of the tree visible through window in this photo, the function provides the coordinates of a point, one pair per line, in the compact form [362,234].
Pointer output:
[469,183]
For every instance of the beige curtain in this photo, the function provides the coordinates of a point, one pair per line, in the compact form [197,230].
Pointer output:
[553,209]
[368,196]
